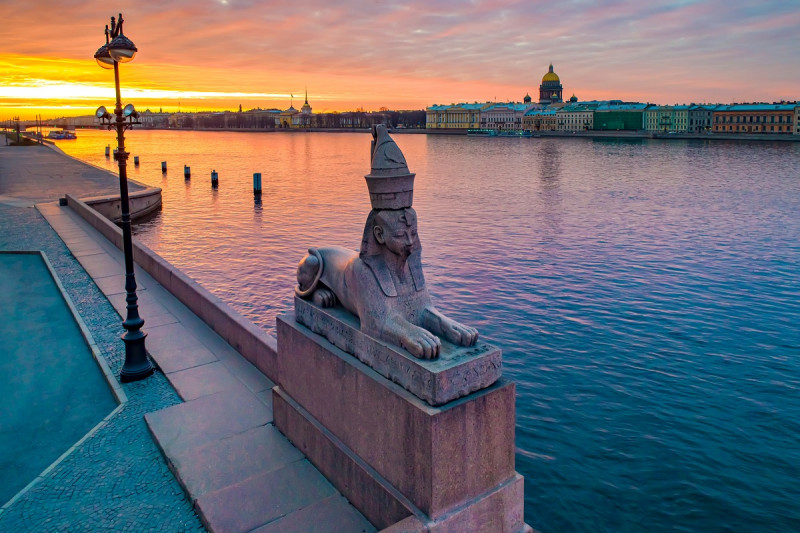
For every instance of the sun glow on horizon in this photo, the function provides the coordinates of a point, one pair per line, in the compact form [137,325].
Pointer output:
[68,87]
[46,89]
[400,56]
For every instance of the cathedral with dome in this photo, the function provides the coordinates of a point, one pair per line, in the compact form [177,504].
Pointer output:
[550,91]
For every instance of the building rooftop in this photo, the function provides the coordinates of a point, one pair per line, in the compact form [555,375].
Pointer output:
[756,107]
[466,106]
[514,106]
[617,105]
[541,112]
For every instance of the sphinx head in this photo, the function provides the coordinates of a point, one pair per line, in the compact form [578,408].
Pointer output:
[396,230]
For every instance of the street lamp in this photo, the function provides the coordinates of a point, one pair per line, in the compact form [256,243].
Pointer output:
[120,49]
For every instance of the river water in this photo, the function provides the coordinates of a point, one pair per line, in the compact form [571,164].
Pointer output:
[645,293]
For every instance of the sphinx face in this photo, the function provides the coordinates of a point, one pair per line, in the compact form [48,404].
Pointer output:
[396,229]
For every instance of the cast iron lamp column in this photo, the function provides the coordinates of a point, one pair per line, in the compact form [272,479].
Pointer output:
[121,50]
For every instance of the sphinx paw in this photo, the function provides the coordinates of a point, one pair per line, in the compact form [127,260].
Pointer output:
[460,334]
[421,343]
[324,297]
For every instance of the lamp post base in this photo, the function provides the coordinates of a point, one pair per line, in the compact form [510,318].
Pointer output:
[137,365]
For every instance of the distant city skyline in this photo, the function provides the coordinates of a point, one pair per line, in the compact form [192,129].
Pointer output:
[216,55]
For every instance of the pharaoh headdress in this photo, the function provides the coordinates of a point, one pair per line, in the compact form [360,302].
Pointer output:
[391,186]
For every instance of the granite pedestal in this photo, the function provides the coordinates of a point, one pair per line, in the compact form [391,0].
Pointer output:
[458,371]
[405,464]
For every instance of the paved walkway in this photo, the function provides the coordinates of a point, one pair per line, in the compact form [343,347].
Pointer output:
[33,174]
[240,472]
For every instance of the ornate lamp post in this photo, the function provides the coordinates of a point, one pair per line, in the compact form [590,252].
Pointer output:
[120,49]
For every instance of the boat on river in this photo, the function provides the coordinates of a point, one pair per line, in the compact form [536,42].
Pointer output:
[61,134]
[515,133]
[481,133]
[498,133]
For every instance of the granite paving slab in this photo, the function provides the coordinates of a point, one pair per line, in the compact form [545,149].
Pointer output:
[203,380]
[331,515]
[182,359]
[206,419]
[160,320]
[228,461]
[148,306]
[112,284]
[170,337]
[99,266]
[248,374]
[283,491]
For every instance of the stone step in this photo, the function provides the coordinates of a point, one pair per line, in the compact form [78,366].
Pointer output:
[241,473]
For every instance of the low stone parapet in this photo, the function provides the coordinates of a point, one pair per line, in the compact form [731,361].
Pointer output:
[141,203]
[252,342]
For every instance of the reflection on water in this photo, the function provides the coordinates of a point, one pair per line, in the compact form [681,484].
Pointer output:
[550,193]
[645,294]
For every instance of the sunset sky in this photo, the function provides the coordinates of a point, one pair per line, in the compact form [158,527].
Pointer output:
[217,54]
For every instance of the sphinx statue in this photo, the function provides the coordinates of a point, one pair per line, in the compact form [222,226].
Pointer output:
[382,284]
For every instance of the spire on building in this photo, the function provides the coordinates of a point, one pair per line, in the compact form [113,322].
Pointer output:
[306,109]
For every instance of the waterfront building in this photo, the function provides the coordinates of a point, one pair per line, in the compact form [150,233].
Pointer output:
[303,119]
[504,116]
[651,118]
[150,119]
[285,117]
[181,120]
[80,122]
[755,118]
[680,118]
[700,118]
[458,116]
[540,120]
[666,118]
[575,117]
[294,118]
[550,91]
[616,115]
[797,119]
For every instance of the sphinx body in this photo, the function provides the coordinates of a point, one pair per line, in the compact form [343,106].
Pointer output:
[383,285]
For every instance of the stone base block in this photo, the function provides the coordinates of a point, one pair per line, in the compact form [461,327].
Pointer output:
[457,372]
[366,490]
[498,510]
[390,453]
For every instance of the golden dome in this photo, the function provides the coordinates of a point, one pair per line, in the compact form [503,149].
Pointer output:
[551,76]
